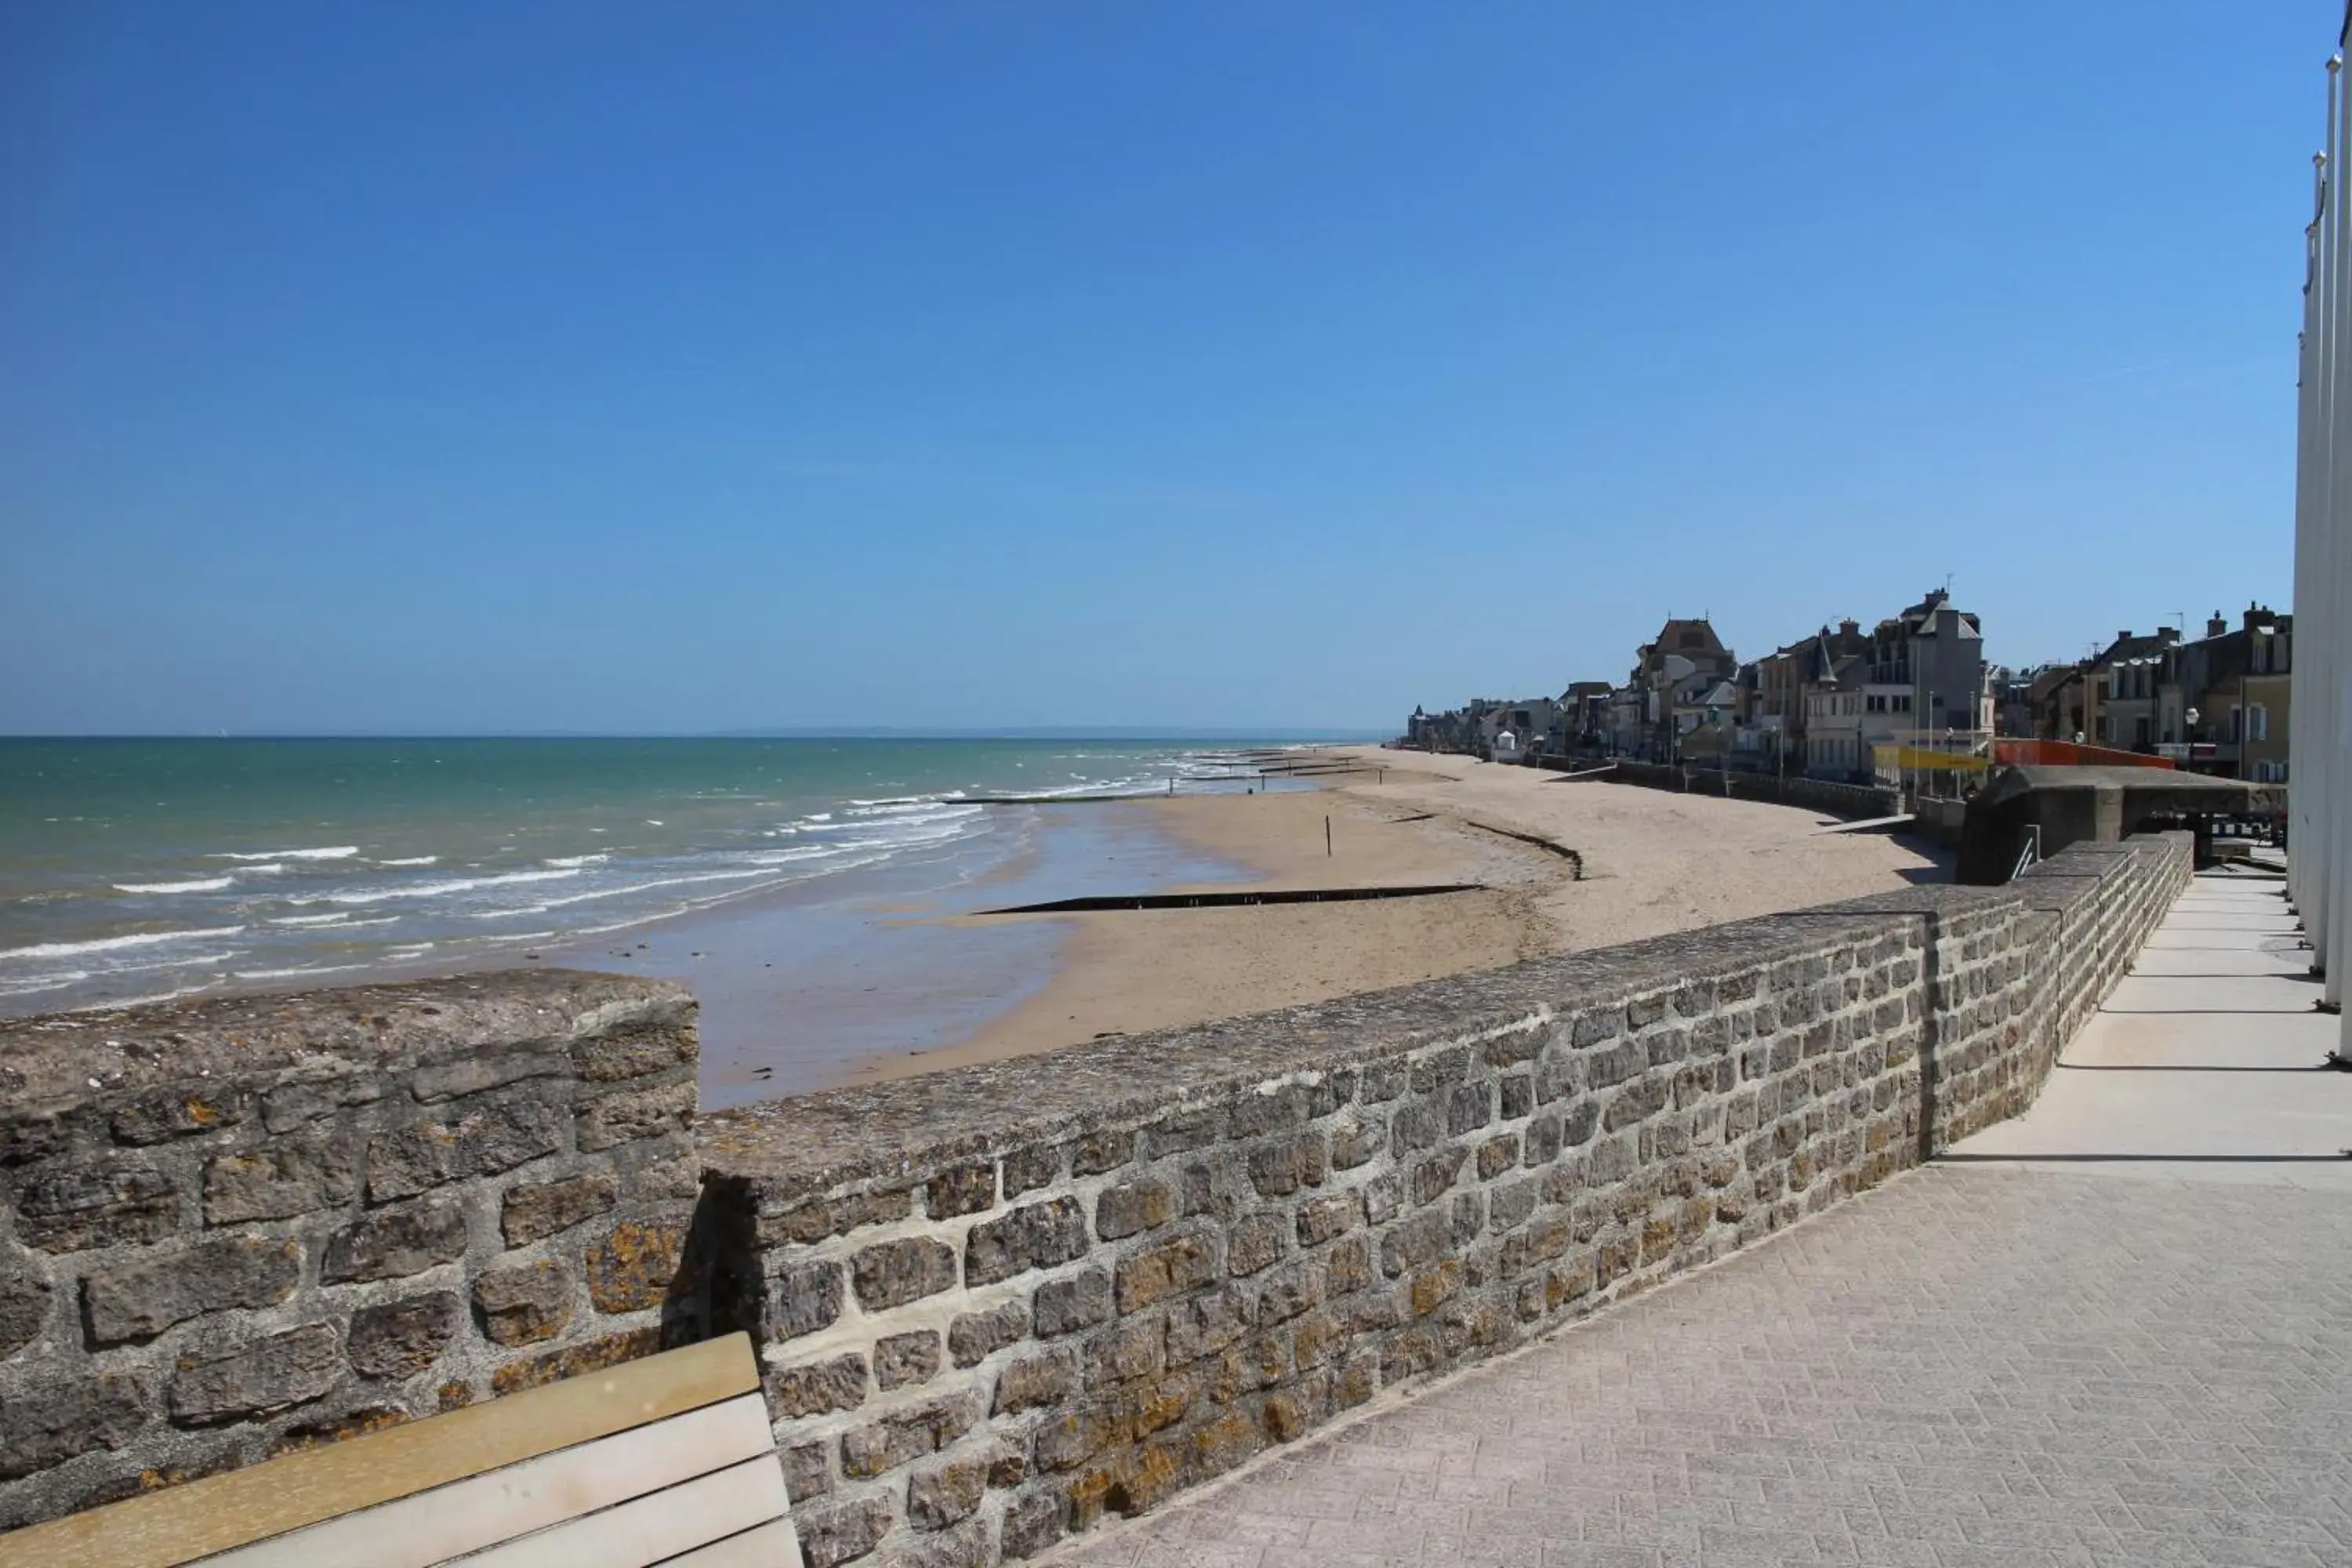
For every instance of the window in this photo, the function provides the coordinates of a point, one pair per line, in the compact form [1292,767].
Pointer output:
[2258,723]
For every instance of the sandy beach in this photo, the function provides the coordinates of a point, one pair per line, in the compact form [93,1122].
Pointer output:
[1644,862]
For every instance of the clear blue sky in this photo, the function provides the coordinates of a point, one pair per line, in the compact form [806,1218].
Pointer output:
[505,366]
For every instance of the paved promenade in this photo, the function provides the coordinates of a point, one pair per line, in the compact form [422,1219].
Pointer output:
[2117,1329]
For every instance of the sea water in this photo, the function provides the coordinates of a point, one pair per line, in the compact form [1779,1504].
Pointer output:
[141,869]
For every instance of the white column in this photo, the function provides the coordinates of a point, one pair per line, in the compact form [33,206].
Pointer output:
[2334,558]
[2312,766]
[2301,693]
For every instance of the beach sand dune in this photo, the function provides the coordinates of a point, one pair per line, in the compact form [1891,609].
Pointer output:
[1643,863]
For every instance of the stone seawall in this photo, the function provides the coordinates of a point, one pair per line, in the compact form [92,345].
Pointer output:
[232,1228]
[994,1305]
[998,1304]
[1856,801]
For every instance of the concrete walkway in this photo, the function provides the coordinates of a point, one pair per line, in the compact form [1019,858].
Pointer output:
[2116,1330]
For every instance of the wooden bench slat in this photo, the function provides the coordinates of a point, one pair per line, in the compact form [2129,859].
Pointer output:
[483,1510]
[202,1517]
[653,1529]
[774,1545]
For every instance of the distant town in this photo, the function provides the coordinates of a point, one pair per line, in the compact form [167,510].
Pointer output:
[1912,694]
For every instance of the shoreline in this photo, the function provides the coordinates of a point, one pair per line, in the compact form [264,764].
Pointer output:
[893,971]
[1566,866]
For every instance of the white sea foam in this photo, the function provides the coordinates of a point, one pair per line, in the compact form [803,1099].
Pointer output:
[652,822]
[114,943]
[42,982]
[435,890]
[294,973]
[576,861]
[201,885]
[266,868]
[411,860]
[118,1005]
[309,919]
[337,852]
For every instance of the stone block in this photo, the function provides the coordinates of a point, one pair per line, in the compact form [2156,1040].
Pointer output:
[1034,1521]
[573,1360]
[484,1141]
[967,1189]
[945,1495]
[1356,1140]
[1133,1207]
[1097,1153]
[1468,1107]
[1258,1242]
[1185,1130]
[1415,1125]
[635,1265]
[476,1071]
[1168,1268]
[805,1298]
[305,1100]
[185,1111]
[24,1308]
[399,1339]
[393,1243]
[101,1206]
[633,1053]
[1320,1220]
[140,1299]
[624,1118]
[523,1303]
[898,1440]
[817,1388]
[1036,1381]
[257,1377]
[1290,1291]
[1066,1306]
[843,1531]
[1208,1323]
[1347,1266]
[535,1210]
[974,1337]
[893,1273]
[900,1359]
[1128,1350]
[1497,1155]
[1434,1177]
[1416,1242]
[292,1176]
[808,1472]
[1037,1236]
[46,1425]
[1518,1093]
[838,1216]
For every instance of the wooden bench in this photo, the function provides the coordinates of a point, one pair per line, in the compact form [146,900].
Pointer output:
[665,1460]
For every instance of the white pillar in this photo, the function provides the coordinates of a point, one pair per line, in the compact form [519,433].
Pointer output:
[2314,753]
[2301,693]
[2334,556]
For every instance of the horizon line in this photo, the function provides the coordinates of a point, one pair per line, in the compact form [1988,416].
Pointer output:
[809,732]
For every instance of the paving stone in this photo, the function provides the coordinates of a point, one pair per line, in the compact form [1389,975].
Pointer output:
[1968,1366]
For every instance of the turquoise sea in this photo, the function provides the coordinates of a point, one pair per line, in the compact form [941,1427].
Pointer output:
[133,869]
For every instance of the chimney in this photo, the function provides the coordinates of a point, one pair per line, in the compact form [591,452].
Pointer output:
[2123,635]
[2215,626]
[2168,635]
[1851,628]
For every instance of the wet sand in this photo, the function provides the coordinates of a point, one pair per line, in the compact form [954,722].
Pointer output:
[1645,863]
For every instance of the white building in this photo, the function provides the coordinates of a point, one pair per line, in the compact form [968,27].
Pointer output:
[2319,842]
